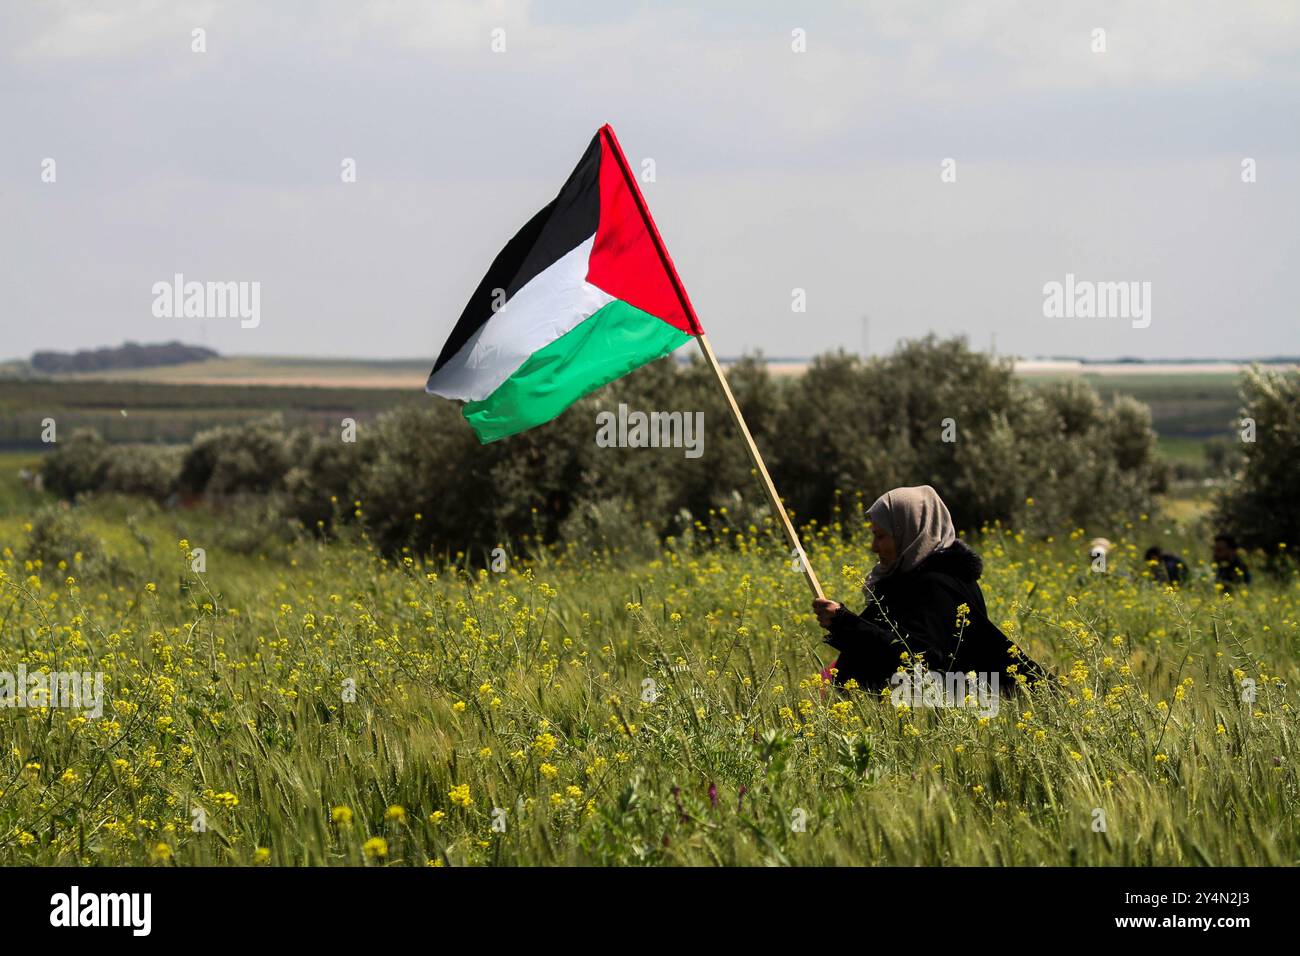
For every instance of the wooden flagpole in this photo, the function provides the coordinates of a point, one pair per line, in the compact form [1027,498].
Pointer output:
[755,458]
[791,535]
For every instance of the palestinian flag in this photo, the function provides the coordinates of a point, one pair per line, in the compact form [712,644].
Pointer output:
[583,294]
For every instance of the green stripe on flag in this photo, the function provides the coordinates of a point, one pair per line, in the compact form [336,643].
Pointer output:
[611,342]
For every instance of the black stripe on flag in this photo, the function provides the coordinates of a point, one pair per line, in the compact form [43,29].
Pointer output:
[563,224]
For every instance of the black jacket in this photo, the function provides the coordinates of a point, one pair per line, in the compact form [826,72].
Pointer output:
[916,611]
[1231,572]
[1175,568]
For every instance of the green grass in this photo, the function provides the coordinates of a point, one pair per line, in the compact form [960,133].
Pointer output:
[1188,451]
[125,411]
[526,692]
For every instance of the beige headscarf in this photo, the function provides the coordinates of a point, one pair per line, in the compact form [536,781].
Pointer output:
[920,524]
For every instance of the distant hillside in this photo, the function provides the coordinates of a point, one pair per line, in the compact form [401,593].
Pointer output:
[129,355]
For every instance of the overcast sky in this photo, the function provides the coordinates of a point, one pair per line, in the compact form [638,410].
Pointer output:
[775,169]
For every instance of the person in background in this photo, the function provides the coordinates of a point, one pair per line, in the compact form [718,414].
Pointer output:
[1229,569]
[1165,566]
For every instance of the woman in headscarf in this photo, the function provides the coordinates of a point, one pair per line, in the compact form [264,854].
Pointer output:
[923,597]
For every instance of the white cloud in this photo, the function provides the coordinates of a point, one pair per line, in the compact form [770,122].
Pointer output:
[776,169]
[83,29]
[1028,45]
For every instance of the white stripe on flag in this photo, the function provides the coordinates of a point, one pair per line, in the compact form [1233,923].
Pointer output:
[552,303]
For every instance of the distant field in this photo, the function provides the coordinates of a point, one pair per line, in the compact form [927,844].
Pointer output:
[406,373]
[1178,449]
[126,411]
[1189,403]
[279,370]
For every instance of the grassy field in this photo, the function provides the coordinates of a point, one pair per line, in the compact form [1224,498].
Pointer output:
[1178,448]
[279,370]
[1186,408]
[302,703]
[126,411]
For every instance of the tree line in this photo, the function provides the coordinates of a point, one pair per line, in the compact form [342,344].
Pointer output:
[1039,458]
